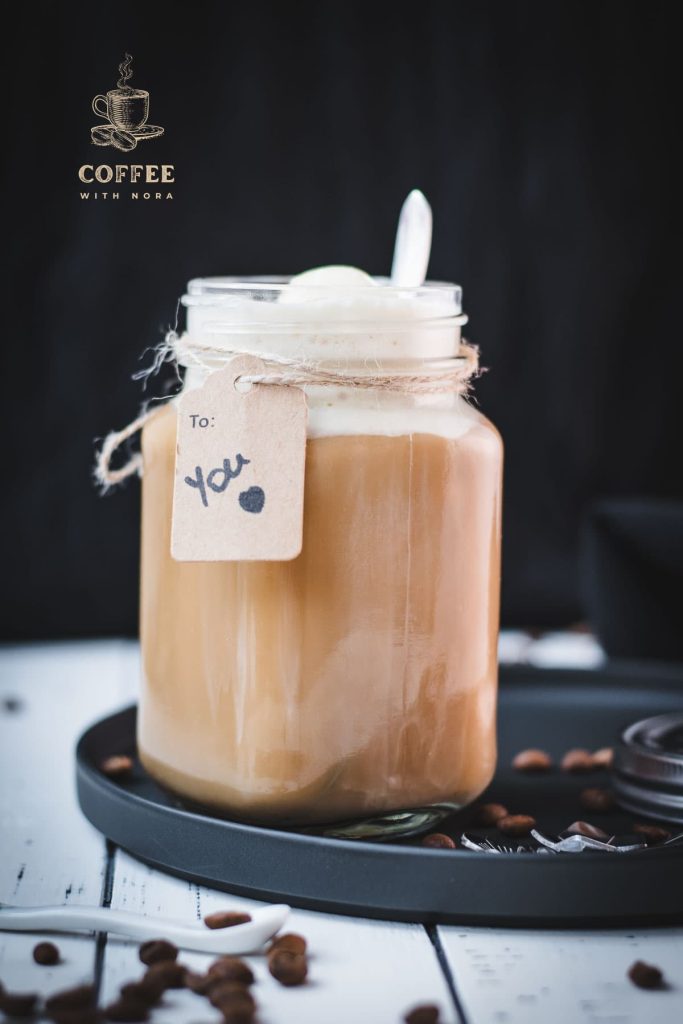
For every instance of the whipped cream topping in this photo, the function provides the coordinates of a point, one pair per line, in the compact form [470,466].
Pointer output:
[342,316]
[333,313]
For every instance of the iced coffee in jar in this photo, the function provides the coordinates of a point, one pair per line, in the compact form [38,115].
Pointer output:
[354,685]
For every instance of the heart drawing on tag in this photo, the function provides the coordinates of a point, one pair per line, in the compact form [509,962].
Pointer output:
[252,500]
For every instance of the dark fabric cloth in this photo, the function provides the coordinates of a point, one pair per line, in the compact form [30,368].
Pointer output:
[632,577]
[546,138]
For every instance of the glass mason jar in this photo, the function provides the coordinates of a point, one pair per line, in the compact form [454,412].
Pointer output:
[354,687]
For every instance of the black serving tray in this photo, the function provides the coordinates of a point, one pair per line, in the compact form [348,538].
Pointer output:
[402,880]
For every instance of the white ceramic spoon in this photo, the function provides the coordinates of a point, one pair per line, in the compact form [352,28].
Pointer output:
[413,242]
[241,938]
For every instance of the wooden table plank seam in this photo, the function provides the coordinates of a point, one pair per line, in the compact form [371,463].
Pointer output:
[444,964]
[105,901]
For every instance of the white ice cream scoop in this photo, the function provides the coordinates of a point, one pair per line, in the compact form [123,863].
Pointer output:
[241,938]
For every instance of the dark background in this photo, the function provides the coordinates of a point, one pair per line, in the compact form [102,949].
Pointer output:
[543,135]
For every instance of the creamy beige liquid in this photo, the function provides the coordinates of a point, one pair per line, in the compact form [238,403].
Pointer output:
[359,678]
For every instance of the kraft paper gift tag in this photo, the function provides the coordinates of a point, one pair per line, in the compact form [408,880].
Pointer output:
[239,478]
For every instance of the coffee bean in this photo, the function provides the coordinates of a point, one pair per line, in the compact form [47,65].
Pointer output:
[235,1007]
[287,968]
[72,998]
[603,758]
[238,1014]
[46,954]
[118,766]
[127,1011]
[231,993]
[645,975]
[596,799]
[12,704]
[83,1015]
[578,760]
[290,941]
[226,919]
[141,992]
[231,968]
[652,834]
[200,983]
[18,1004]
[532,761]
[151,987]
[488,814]
[100,135]
[584,828]
[428,1013]
[516,824]
[157,950]
[124,141]
[165,974]
[439,841]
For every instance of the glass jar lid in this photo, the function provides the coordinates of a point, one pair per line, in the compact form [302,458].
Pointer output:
[648,767]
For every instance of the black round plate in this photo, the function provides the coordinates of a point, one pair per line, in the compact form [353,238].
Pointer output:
[552,709]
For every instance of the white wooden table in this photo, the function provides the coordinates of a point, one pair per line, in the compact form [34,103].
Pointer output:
[369,972]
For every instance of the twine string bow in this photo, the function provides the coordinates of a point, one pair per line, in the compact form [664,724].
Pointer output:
[451,375]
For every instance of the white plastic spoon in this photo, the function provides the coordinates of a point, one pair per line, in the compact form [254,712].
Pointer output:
[413,242]
[241,938]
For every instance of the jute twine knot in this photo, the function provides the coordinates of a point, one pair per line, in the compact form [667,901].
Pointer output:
[451,375]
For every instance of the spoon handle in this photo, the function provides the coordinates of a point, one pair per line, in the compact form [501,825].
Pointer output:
[266,921]
[413,242]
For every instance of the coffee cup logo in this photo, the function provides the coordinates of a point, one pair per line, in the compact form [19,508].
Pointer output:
[125,111]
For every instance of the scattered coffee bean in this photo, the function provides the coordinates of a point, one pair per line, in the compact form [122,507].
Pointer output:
[516,824]
[584,828]
[439,841]
[488,814]
[226,919]
[71,999]
[231,993]
[118,766]
[200,983]
[532,761]
[645,975]
[157,950]
[151,987]
[11,705]
[46,954]
[231,968]
[237,1007]
[578,760]
[428,1013]
[165,974]
[18,1004]
[83,1015]
[127,1011]
[652,834]
[287,968]
[290,941]
[139,991]
[596,799]
[237,1015]
[603,758]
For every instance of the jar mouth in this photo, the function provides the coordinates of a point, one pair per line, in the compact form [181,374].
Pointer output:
[431,300]
[374,321]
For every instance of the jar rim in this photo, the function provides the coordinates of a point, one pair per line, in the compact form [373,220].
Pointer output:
[209,291]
